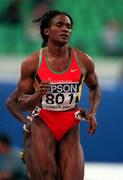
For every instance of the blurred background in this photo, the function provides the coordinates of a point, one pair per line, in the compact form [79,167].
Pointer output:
[98,31]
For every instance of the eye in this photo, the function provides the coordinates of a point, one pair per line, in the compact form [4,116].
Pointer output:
[59,24]
[69,26]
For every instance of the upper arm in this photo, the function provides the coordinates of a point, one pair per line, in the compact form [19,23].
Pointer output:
[25,85]
[90,78]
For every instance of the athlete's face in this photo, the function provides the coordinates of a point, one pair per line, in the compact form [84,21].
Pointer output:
[60,29]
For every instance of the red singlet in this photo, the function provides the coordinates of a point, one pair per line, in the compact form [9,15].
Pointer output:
[61,101]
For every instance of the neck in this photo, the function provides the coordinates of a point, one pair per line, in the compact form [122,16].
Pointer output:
[57,51]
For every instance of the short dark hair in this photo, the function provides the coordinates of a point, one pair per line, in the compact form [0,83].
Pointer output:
[46,19]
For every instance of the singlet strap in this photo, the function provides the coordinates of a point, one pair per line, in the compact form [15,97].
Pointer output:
[76,57]
[40,58]
[49,66]
[39,62]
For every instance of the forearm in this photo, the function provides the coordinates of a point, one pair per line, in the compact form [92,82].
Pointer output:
[94,99]
[28,102]
[16,111]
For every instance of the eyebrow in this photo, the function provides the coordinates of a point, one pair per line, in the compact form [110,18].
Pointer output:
[63,22]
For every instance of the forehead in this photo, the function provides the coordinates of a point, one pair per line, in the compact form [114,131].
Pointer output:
[61,18]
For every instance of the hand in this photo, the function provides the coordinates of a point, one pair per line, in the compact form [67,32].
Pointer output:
[43,88]
[28,102]
[28,124]
[93,124]
[90,118]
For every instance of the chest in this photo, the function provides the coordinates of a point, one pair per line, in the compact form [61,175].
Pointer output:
[59,64]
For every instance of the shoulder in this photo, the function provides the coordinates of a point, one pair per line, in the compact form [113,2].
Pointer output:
[30,63]
[85,59]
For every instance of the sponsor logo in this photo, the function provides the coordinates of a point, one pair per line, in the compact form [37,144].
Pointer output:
[64,88]
[73,70]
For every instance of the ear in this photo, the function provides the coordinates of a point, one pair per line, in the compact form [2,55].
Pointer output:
[46,31]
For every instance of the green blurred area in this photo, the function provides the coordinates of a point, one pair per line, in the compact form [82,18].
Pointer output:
[89,17]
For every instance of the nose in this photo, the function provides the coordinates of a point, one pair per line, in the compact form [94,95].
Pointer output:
[64,28]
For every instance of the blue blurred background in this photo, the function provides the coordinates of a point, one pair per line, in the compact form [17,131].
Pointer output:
[98,31]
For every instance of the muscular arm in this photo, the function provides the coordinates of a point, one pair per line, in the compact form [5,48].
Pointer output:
[91,80]
[27,98]
[92,83]
[14,108]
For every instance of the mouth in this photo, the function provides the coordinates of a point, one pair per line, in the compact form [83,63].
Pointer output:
[64,36]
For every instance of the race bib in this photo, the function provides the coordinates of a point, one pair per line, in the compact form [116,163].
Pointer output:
[61,97]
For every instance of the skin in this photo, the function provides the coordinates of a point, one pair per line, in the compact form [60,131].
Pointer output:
[13,106]
[66,155]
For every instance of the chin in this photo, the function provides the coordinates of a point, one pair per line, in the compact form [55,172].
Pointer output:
[62,42]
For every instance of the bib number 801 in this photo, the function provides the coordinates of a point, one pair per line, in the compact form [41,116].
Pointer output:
[58,98]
